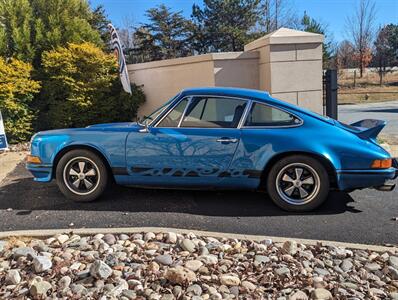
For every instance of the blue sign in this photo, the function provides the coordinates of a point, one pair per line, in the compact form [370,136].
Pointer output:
[3,141]
[3,138]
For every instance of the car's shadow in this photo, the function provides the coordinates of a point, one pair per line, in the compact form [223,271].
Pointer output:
[20,193]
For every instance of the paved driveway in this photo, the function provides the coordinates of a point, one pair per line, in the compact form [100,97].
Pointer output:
[362,217]
[383,110]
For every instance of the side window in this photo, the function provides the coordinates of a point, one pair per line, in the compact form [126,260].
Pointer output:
[208,112]
[264,115]
[173,117]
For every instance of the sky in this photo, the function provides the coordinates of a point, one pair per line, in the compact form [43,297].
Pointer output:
[333,13]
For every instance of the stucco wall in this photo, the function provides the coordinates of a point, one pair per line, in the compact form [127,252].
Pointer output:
[163,79]
[286,63]
[237,69]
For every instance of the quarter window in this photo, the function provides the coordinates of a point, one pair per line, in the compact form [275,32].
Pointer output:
[214,112]
[173,117]
[264,115]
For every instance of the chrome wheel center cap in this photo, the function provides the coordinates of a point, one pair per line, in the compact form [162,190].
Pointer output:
[81,176]
[297,183]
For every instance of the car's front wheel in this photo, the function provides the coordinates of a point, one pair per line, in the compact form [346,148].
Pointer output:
[298,183]
[81,175]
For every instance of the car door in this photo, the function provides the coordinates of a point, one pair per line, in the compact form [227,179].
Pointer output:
[191,145]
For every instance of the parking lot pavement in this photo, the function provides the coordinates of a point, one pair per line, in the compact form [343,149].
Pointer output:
[361,217]
[387,111]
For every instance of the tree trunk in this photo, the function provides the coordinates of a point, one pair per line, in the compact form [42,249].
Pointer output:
[355,78]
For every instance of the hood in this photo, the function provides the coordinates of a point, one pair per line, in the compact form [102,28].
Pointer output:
[113,125]
[106,126]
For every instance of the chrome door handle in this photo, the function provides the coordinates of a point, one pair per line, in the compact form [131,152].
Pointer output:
[227,140]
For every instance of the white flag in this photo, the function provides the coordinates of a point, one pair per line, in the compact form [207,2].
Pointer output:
[118,50]
[3,138]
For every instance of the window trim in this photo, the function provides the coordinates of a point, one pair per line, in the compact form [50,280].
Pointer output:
[169,109]
[165,110]
[190,97]
[252,102]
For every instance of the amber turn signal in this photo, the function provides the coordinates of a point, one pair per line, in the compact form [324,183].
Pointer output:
[33,159]
[382,163]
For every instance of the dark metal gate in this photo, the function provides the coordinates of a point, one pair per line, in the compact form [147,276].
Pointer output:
[330,93]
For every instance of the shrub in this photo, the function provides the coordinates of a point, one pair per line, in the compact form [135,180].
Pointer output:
[81,86]
[16,92]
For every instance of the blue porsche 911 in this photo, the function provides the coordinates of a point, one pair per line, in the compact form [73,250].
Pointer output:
[224,138]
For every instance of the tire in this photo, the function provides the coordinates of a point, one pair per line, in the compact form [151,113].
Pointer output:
[81,175]
[305,194]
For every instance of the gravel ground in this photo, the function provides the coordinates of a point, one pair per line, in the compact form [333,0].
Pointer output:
[174,266]
[19,147]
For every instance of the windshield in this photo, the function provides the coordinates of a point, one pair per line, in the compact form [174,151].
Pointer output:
[146,120]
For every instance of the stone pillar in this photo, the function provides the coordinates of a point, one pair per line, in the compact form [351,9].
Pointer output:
[290,66]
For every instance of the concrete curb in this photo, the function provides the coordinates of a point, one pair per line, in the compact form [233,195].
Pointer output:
[129,230]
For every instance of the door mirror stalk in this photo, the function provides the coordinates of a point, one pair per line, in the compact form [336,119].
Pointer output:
[144,129]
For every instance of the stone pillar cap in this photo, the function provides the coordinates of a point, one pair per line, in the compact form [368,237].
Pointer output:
[285,36]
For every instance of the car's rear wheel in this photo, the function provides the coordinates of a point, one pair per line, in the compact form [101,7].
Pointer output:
[298,183]
[81,175]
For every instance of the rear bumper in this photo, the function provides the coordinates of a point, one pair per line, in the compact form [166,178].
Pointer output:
[41,173]
[357,179]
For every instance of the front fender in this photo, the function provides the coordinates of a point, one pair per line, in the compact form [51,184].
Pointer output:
[111,146]
[47,147]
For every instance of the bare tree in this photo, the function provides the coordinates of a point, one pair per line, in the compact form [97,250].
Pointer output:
[275,14]
[126,34]
[345,55]
[127,31]
[361,30]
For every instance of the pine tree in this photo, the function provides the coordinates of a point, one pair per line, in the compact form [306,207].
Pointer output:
[386,49]
[30,27]
[99,21]
[166,35]
[224,25]
[15,30]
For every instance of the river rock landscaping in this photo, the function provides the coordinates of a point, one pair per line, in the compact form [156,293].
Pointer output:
[185,266]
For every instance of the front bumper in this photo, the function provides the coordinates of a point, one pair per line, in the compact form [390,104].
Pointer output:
[358,179]
[41,173]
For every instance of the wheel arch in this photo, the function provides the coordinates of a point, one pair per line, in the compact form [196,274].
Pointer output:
[328,165]
[69,148]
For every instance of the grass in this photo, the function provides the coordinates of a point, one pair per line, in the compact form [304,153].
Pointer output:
[367,88]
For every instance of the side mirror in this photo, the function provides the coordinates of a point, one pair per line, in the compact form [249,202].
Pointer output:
[144,129]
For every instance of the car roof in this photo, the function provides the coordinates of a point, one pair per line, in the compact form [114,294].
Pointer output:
[258,95]
[227,91]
